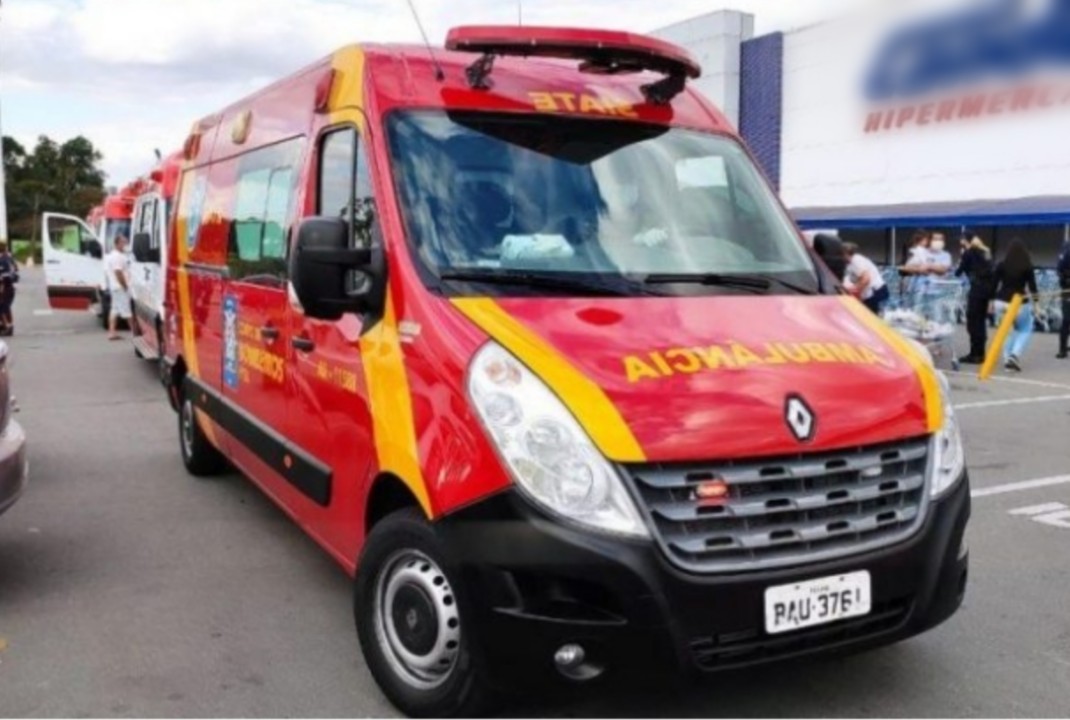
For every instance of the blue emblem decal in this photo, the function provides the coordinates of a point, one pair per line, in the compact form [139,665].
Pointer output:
[231,377]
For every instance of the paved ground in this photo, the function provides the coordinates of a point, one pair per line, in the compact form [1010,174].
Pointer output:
[130,589]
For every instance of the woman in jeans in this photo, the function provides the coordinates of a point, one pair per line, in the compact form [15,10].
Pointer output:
[1015,275]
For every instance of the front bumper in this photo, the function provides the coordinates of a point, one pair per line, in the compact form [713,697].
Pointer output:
[533,584]
[12,465]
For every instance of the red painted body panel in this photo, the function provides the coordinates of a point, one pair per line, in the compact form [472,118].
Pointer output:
[404,77]
[576,43]
[694,412]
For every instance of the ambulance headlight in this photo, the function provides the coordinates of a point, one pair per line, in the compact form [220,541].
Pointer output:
[547,452]
[949,458]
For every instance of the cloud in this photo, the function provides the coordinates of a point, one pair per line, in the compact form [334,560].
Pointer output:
[130,72]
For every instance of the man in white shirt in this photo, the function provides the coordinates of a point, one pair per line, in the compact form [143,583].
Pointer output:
[117,277]
[864,279]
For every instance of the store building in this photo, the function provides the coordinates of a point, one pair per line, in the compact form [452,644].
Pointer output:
[936,114]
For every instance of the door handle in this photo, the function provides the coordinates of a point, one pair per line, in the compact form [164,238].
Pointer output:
[303,344]
[269,333]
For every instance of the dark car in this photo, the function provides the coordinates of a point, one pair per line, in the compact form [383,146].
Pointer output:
[12,442]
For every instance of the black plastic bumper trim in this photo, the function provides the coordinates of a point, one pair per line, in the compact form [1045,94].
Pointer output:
[306,473]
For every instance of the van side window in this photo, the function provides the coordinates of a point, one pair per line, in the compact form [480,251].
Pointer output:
[345,187]
[336,173]
[260,227]
[147,224]
[364,211]
[154,223]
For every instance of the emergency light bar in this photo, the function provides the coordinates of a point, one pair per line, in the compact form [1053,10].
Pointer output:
[605,52]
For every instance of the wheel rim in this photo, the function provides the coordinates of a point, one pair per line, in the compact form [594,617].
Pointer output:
[417,624]
[186,428]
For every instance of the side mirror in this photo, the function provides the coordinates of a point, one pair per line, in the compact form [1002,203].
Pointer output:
[830,249]
[93,248]
[331,279]
[143,250]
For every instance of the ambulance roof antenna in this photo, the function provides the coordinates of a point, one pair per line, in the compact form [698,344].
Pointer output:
[439,75]
[519,12]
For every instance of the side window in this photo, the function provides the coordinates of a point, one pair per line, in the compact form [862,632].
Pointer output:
[336,173]
[146,220]
[260,224]
[154,225]
[345,185]
[67,235]
[364,211]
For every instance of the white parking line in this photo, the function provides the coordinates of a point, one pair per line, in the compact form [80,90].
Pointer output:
[40,312]
[1014,380]
[1039,509]
[1019,486]
[1019,401]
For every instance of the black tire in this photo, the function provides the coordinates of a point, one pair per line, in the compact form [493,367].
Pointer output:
[105,309]
[404,543]
[200,457]
[161,358]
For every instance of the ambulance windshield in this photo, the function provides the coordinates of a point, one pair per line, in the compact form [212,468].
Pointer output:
[536,196]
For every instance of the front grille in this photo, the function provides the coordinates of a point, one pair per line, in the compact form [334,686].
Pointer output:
[740,649]
[785,511]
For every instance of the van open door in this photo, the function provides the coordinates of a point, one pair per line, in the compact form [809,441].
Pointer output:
[74,262]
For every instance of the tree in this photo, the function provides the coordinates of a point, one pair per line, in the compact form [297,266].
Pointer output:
[64,178]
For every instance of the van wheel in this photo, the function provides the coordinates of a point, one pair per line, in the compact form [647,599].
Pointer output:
[105,309]
[410,622]
[200,457]
[161,359]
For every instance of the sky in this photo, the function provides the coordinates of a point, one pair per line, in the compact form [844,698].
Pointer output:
[133,75]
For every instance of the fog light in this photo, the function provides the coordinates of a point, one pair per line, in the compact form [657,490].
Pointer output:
[569,656]
[571,661]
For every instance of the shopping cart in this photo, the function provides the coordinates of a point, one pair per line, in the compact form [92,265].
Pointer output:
[1049,305]
[932,318]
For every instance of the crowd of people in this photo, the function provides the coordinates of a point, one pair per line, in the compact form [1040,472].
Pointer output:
[992,287]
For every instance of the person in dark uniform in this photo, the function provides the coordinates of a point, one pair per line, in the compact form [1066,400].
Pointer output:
[976,266]
[1063,269]
[9,276]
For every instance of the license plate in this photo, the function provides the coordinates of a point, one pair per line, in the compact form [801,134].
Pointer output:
[817,602]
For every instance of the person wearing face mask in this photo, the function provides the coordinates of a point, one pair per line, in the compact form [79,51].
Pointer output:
[940,262]
[914,270]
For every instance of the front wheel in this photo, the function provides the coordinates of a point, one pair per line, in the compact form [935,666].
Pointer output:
[200,457]
[410,622]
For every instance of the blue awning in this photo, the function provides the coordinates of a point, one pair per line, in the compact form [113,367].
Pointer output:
[1044,210]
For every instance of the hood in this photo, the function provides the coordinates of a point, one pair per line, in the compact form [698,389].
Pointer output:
[719,378]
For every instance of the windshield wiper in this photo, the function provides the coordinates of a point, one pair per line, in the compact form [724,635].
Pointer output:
[551,281]
[755,283]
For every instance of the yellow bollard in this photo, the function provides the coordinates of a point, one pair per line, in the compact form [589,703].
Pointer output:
[1004,329]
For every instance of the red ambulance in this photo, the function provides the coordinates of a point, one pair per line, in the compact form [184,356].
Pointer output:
[520,335]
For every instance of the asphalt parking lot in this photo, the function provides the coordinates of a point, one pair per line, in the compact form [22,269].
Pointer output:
[128,588]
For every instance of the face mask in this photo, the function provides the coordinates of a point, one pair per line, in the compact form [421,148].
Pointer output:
[938,245]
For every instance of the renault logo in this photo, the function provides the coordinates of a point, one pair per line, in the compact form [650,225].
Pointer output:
[800,418]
